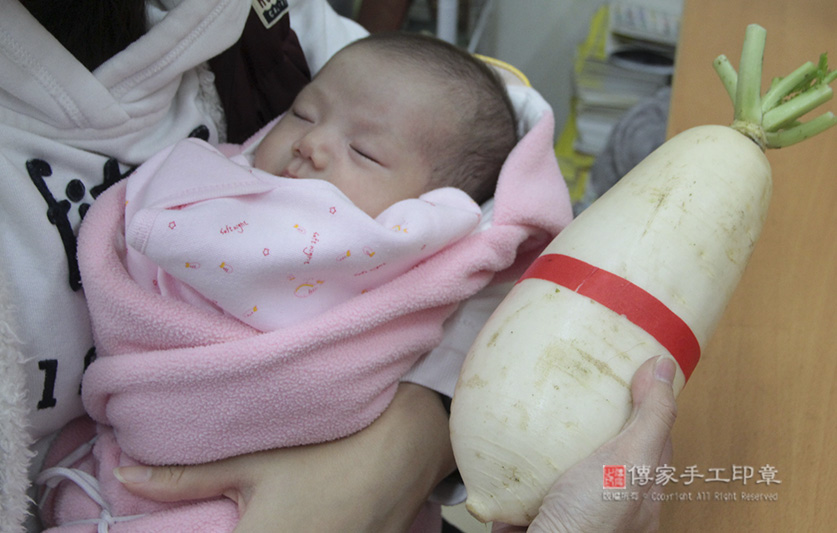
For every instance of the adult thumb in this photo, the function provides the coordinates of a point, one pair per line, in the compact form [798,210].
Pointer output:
[178,483]
[654,406]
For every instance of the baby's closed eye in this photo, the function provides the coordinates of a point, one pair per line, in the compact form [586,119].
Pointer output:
[364,153]
[301,115]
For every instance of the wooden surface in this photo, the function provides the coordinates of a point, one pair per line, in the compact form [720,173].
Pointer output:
[764,391]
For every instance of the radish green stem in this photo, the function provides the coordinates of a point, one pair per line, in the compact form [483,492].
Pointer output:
[772,121]
[727,74]
[785,86]
[796,107]
[748,89]
[801,132]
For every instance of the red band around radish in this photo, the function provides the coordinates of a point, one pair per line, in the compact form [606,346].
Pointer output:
[623,297]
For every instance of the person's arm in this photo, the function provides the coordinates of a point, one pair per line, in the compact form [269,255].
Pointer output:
[575,505]
[374,480]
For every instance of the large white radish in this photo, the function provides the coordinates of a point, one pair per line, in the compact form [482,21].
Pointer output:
[646,270]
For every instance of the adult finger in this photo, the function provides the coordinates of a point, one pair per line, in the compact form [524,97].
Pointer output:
[648,428]
[179,483]
[497,527]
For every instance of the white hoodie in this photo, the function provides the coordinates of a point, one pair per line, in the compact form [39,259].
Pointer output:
[65,135]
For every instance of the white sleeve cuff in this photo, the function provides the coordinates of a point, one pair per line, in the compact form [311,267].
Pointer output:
[439,369]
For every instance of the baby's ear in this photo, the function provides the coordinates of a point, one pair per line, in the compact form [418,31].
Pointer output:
[509,74]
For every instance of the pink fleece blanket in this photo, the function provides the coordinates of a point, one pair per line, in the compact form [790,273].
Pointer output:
[182,385]
[174,384]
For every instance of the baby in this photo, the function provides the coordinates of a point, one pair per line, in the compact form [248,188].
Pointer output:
[392,116]
[380,162]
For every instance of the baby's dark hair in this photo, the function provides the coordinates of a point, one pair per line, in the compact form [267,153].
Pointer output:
[486,128]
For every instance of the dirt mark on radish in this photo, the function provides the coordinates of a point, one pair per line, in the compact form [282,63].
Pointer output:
[659,198]
[503,327]
[475,382]
[604,368]
[523,420]
[575,362]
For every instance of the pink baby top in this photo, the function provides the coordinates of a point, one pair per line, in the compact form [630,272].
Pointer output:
[217,233]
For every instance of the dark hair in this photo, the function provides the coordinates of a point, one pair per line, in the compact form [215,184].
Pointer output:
[486,128]
[92,30]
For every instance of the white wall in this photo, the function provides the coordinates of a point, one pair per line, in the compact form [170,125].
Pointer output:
[540,37]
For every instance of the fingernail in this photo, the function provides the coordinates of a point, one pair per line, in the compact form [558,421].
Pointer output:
[132,474]
[664,370]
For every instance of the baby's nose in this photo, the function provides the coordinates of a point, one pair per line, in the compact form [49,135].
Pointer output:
[314,147]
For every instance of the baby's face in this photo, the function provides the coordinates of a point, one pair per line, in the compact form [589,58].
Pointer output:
[360,125]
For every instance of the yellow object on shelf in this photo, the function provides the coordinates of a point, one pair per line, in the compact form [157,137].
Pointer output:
[575,166]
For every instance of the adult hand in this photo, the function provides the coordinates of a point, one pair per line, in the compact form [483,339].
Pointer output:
[575,504]
[374,480]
